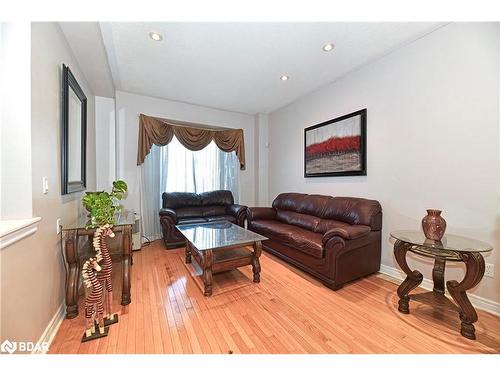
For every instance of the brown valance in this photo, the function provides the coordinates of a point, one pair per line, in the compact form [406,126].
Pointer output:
[159,131]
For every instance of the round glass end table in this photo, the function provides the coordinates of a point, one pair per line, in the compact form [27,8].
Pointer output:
[451,248]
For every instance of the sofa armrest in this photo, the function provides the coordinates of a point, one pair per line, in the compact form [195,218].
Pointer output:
[167,213]
[347,233]
[261,213]
[239,212]
[235,209]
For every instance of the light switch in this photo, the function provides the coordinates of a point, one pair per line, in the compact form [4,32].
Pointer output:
[45,185]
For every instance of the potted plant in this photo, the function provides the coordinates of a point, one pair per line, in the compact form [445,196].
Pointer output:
[103,206]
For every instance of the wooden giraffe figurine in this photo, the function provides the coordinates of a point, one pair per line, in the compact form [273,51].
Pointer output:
[105,276]
[94,309]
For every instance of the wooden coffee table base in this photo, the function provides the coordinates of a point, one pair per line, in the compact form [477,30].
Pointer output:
[224,259]
[473,275]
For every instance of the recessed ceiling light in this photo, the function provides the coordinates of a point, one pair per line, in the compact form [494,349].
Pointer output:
[155,36]
[328,47]
[284,77]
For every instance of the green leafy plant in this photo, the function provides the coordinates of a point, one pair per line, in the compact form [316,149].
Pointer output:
[103,206]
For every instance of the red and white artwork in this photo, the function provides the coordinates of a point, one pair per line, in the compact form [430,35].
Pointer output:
[335,147]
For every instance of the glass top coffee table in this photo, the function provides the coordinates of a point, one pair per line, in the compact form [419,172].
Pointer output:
[451,248]
[221,246]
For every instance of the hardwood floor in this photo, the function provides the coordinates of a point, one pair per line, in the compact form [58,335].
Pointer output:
[288,312]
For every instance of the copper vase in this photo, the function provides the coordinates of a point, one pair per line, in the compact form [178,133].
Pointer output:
[434,225]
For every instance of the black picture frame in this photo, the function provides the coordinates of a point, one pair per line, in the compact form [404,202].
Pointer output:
[362,147]
[69,82]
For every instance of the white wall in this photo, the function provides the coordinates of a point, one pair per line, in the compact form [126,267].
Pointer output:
[105,142]
[262,159]
[433,138]
[15,131]
[32,271]
[129,106]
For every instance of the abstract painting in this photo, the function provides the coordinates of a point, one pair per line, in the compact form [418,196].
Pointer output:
[336,147]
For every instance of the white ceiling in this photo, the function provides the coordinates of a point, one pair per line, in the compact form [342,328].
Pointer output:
[237,66]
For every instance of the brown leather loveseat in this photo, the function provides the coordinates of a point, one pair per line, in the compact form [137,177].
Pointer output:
[191,208]
[336,239]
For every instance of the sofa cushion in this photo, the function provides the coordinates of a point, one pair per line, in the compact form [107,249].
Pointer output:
[175,200]
[290,235]
[314,204]
[191,220]
[325,225]
[288,201]
[217,198]
[352,210]
[214,210]
[229,218]
[308,222]
[183,212]
[310,204]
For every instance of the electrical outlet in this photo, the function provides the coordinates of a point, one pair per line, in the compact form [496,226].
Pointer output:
[58,224]
[489,270]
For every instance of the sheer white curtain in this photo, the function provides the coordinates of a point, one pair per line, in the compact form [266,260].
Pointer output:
[175,168]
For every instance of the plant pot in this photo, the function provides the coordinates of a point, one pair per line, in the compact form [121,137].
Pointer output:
[433,225]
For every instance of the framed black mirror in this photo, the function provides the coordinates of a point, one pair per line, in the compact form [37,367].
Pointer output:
[73,134]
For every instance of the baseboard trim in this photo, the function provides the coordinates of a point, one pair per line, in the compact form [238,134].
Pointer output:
[477,301]
[51,330]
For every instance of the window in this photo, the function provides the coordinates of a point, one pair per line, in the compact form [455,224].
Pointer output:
[198,171]
[175,168]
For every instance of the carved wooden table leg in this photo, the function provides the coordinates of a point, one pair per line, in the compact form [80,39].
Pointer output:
[126,262]
[438,275]
[72,275]
[473,275]
[257,251]
[413,278]
[188,252]
[207,272]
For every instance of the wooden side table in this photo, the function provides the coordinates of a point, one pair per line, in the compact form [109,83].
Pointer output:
[74,257]
[451,248]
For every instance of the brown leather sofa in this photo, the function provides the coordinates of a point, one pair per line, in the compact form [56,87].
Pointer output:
[336,239]
[190,208]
